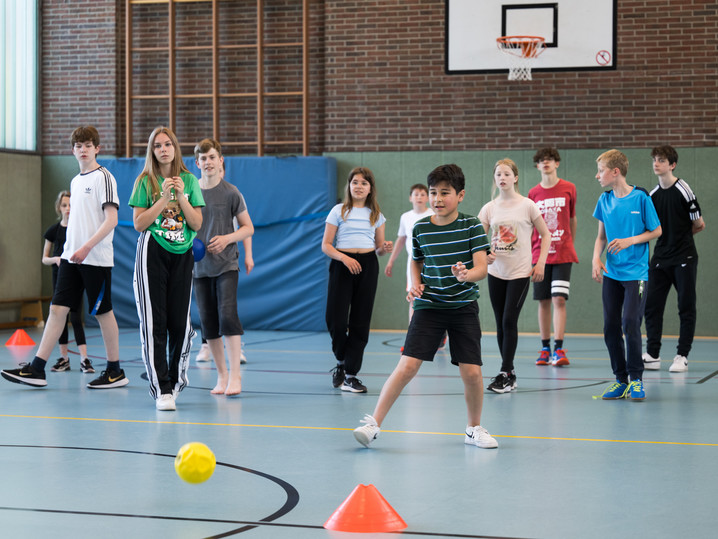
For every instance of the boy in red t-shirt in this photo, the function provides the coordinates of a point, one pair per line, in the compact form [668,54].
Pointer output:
[556,198]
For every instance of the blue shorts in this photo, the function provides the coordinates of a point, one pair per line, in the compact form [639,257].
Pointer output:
[428,326]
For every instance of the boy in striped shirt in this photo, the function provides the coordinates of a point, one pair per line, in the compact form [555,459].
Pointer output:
[448,259]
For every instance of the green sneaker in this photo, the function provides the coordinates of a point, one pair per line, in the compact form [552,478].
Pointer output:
[636,391]
[618,390]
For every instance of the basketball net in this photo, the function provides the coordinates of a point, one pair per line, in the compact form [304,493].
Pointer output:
[521,52]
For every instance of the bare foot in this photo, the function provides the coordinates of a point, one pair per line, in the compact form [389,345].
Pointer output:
[220,388]
[234,387]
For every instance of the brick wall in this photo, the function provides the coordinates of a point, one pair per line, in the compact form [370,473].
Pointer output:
[378,80]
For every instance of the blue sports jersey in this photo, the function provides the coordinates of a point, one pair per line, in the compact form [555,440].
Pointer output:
[624,217]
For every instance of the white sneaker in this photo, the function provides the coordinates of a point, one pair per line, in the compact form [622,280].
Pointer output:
[166,402]
[479,437]
[204,354]
[367,433]
[650,363]
[680,364]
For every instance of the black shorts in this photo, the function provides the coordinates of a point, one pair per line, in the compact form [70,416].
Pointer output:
[74,279]
[428,326]
[556,282]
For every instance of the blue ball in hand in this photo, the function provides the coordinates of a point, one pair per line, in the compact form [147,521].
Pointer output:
[198,249]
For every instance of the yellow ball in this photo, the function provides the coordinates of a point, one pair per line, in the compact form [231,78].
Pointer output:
[195,462]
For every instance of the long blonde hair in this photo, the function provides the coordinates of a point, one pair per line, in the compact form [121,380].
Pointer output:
[371,201]
[58,201]
[152,166]
[514,168]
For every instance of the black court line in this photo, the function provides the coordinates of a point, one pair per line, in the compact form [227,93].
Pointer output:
[248,524]
[290,503]
[705,379]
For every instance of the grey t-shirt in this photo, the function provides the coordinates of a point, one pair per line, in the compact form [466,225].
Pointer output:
[223,203]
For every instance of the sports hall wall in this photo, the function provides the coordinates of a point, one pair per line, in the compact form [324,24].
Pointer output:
[380,97]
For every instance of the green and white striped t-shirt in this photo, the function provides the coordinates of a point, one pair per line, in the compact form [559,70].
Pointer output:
[440,247]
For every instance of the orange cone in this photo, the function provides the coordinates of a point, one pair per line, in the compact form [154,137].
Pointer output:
[20,338]
[365,511]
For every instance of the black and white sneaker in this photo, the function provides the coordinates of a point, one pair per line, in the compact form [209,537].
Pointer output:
[337,375]
[108,380]
[62,365]
[25,375]
[86,366]
[503,383]
[353,384]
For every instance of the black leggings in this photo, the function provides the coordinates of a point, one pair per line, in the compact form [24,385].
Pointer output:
[350,302]
[507,298]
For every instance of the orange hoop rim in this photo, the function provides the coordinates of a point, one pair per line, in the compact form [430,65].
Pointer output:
[526,46]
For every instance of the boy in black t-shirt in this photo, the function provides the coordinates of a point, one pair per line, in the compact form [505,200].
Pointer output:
[674,261]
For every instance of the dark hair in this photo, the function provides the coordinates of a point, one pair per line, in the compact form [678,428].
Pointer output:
[667,152]
[205,145]
[418,186]
[546,153]
[451,174]
[84,134]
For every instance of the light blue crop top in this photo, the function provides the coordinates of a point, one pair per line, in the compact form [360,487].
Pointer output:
[355,232]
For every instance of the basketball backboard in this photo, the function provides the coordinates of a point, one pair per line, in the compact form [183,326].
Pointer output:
[580,34]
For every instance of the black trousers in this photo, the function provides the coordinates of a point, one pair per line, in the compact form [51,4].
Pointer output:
[623,306]
[660,280]
[350,302]
[507,299]
[163,286]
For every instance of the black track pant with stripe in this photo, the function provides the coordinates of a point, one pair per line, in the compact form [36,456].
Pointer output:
[163,287]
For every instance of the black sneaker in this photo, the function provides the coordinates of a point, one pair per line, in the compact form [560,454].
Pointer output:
[108,380]
[86,366]
[337,375]
[62,365]
[25,375]
[503,383]
[354,385]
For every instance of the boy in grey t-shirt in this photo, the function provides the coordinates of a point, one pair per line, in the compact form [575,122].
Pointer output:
[215,275]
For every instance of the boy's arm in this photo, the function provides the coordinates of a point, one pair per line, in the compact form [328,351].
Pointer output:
[698,225]
[572,224]
[417,288]
[474,274]
[398,247]
[597,267]
[219,243]
[619,244]
[248,258]
[107,226]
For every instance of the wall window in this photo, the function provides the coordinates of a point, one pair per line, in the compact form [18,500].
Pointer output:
[19,56]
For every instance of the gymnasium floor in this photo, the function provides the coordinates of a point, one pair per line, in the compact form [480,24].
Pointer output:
[84,463]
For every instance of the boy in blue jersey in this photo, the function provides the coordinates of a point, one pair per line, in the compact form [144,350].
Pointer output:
[627,221]
[448,258]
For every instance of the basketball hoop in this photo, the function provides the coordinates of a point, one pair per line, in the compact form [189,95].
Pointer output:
[521,51]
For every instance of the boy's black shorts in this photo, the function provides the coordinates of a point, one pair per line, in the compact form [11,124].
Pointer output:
[428,326]
[556,282]
[74,279]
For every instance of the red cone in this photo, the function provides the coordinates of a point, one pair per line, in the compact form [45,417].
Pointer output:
[365,511]
[20,338]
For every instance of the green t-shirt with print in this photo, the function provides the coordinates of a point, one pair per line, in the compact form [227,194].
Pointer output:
[170,227]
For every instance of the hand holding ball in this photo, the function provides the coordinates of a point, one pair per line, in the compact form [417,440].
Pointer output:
[195,462]
[198,249]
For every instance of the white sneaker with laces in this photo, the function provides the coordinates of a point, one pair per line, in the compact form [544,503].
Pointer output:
[204,354]
[480,437]
[680,364]
[368,432]
[651,363]
[166,402]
